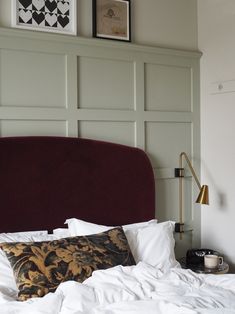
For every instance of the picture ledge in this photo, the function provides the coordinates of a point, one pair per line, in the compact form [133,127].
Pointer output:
[71,39]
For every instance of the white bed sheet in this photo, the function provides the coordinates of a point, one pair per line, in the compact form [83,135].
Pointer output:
[134,289]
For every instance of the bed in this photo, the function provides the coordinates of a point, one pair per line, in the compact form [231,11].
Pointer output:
[78,228]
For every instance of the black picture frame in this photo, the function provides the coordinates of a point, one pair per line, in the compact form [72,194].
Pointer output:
[112,19]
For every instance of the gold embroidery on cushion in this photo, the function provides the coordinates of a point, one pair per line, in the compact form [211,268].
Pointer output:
[118,239]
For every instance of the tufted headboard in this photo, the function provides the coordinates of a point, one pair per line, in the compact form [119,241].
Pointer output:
[45,180]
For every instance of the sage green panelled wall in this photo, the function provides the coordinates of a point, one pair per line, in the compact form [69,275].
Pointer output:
[136,95]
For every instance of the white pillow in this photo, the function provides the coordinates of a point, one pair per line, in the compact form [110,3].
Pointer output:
[150,242]
[7,280]
[79,227]
[61,232]
[154,245]
[21,236]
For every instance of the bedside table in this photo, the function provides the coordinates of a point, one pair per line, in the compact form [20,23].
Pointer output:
[201,269]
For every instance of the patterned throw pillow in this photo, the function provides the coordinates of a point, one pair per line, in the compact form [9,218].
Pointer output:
[39,267]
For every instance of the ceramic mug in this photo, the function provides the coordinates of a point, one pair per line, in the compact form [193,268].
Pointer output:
[213,261]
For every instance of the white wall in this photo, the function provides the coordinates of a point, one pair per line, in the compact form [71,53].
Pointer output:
[216,19]
[154,22]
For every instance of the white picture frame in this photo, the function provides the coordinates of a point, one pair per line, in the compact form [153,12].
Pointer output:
[56,16]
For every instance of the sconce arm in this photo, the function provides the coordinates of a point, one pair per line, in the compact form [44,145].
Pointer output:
[183,154]
[203,197]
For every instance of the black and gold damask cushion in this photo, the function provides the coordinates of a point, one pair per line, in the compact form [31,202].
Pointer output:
[39,267]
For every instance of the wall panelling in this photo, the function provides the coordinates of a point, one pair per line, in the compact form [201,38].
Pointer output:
[141,96]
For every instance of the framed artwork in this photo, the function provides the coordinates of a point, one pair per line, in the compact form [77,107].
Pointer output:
[58,16]
[112,19]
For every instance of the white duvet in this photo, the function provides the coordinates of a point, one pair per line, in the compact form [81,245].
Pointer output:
[136,289]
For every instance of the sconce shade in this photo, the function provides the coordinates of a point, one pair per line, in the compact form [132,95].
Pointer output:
[203,197]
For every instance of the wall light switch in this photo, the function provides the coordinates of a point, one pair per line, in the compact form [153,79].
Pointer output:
[222,87]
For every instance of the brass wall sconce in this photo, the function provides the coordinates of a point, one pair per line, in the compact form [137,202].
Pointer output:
[203,197]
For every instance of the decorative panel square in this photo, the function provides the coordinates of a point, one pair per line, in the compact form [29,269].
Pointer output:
[32,127]
[35,79]
[105,84]
[167,88]
[110,131]
[165,141]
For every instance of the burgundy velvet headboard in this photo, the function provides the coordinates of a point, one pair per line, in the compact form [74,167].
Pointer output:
[45,180]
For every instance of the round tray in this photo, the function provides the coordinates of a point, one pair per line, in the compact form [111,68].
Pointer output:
[200,268]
